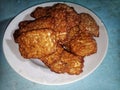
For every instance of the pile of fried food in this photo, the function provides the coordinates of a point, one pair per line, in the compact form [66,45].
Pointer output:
[58,36]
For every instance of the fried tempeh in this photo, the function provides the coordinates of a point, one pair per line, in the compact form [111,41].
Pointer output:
[37,43]
[46,22]
[83,45]
[88,24]
[68,63]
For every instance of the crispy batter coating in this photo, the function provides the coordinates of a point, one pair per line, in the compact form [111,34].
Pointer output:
[50,59]
[68,63]
[37,43]
[72,17]
[46,11]
[65,18]
[60,37]
[89,24]
[83,45]
[40,12]
[45,22]
[71,34]
[60,20]
[21,25]
[59,15]
[24,23]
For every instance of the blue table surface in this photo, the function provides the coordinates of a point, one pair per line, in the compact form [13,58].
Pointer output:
[105,77]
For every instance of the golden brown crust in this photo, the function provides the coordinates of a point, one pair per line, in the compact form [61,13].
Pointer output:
[50,59]
[37,43]
[72,18]
[21,25]
[83,45]
[88,24]
[68,63]
[40,12]
[59,15]
[24,23]
[45,22]
[71,34]
[65,18]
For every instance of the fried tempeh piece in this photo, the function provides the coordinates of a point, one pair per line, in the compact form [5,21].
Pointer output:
[83,45]
[68,63]
[50,59]
[88,24]
[37,43]
[45,22]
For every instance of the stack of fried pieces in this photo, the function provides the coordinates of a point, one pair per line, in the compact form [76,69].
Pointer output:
[59,37]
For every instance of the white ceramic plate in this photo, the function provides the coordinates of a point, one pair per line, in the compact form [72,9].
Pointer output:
[35,70]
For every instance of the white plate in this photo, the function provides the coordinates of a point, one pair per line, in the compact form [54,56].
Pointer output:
[35,70]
